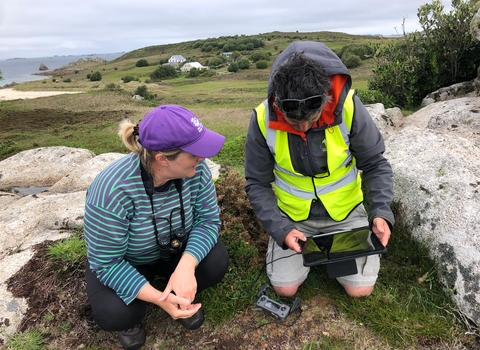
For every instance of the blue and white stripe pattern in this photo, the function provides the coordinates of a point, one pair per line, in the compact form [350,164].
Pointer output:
[119,232]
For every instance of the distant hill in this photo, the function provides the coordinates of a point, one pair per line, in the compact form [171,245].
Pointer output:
[202,50]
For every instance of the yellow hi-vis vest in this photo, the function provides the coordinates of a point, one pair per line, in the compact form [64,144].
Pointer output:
[339,189]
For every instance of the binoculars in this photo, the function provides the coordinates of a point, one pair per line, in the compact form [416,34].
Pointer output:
[172,244]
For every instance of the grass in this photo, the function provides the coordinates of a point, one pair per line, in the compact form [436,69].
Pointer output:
[69,254]
[237,291]
[408,306]
[31,340]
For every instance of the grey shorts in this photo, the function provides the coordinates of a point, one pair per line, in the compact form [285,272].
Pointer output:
[288,270]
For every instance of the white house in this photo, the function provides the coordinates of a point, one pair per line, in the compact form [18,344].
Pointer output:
[176,59]
[187,66]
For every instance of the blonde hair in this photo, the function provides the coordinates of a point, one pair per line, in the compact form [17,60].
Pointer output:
[126,132]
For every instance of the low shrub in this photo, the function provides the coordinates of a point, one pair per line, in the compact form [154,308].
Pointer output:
[233,67]
[97,76]
[141,63]
[262,64]
[128,78]
[351,61]
[142,90]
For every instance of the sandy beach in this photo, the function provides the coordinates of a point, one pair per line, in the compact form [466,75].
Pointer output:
[12,94]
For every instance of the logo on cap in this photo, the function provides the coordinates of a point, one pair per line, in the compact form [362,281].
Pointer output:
[197,124]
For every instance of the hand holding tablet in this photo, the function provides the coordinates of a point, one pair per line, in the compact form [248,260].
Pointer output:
[326,248]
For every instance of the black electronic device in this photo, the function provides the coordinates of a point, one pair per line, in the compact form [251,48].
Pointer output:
[275,308]
[174,243]
[334,247]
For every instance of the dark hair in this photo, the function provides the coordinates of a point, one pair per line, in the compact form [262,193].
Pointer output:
[300,77]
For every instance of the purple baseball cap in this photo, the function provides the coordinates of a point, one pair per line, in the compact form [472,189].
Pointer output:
[170,127]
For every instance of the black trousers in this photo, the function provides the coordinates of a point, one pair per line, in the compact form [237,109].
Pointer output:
[112,314]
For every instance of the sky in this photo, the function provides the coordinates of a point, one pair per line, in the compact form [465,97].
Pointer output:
[33,28]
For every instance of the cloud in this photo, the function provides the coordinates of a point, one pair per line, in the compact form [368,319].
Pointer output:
[32,28]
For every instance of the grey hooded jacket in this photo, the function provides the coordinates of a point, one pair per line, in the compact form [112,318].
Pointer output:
[366,145]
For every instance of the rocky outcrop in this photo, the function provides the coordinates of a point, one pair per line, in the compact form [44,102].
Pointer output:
[72,67]
[42,166]
[463,89]
[467,88]
[42,67]
[435,156]
[84,60]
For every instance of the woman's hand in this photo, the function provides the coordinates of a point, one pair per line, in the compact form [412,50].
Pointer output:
[177,307]
[182,282]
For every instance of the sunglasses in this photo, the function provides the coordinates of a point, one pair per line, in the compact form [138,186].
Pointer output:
[312,102]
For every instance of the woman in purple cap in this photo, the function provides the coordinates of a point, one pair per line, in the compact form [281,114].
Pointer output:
[154,213]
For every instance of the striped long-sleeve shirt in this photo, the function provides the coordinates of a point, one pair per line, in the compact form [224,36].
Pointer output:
[119,232]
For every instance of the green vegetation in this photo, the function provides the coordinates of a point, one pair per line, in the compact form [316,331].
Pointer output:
[113,87]
[258,56]
[233,67]
[128,78]
[69,254]
[97,76]
[244,64]
[351,61]
[444,54]
[163,72]
[31,340]
[142,90]
[196,73]
[141,63]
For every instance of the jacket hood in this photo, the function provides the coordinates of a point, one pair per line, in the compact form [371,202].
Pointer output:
[318,52]
[336,70]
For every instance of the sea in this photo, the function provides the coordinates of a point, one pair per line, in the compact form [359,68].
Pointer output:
[20,70]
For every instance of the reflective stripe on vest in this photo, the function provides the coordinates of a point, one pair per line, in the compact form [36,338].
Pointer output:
[339,190]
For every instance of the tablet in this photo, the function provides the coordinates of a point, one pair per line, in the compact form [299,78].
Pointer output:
[326,248]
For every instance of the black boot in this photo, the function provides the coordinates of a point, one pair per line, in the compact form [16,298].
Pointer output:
[133,338]
[193,322]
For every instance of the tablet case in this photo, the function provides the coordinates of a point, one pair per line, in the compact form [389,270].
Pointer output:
[337,247]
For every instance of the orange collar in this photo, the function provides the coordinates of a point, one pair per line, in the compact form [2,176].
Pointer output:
[328,113]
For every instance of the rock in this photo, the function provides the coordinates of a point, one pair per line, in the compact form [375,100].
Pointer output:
[41,166]
[467,88]
[80,178]
[33,219]
[435,157]
[84,60]
[43,67]
[11,309]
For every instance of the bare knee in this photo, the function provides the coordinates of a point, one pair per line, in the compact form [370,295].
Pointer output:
[288,291]
[357,292]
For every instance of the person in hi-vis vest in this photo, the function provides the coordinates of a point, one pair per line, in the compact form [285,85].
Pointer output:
[309,146]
